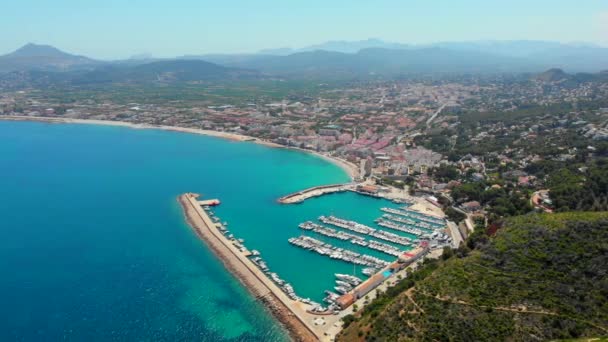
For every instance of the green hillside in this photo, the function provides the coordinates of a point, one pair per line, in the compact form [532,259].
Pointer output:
[542,277]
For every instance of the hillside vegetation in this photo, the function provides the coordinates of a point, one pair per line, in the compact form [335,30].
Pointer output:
[542,277]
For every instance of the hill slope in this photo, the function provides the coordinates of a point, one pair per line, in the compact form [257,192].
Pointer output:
[541,277]
[163,71]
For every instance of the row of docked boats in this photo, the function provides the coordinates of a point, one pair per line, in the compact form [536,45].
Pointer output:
[344,284]
[400,227]
[257,260]
[423,220]
[286,287]
[369,271]
[326,249]
[366,230]
[391,237]
[400,219]
[422,217]
[345,224]
[360,241]
[384,248]
[409,222]
[351,279]
[338,234]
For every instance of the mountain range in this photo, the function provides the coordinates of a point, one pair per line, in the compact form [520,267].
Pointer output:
[335,59]
[383,61]
[574,57]
[338,46]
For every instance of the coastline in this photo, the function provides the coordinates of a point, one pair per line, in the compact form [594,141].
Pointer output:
[349,168]
[281,308]
[292,315]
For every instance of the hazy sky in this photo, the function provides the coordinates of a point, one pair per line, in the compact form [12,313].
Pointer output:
[120,28]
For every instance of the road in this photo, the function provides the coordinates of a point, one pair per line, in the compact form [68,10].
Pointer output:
[430,120]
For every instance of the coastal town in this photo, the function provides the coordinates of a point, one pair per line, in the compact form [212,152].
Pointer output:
[428,137]
[304,171]
[451,158]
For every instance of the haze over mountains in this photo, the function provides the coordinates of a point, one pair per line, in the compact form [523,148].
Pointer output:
[338,59]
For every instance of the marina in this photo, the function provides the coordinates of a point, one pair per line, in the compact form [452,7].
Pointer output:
[363,236]
[424,231]
[376,252]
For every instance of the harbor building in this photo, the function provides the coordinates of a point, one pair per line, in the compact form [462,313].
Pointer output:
[406,259]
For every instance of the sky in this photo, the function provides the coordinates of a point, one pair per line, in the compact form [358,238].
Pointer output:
[112,29]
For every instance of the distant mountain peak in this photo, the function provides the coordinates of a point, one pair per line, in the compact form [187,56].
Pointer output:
[42,57]
[35,50]
[552,75]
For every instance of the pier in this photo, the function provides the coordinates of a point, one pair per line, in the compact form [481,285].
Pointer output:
[291,313]
[211,202]
[300,196]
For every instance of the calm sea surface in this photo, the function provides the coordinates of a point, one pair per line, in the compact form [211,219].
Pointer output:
[93,244]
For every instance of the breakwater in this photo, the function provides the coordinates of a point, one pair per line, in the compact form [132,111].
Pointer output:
[284,309]
[300,196]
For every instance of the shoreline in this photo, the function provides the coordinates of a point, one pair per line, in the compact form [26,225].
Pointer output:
[248,277]
[349,168]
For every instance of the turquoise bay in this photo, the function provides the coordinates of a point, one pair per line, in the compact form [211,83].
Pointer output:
[94,246]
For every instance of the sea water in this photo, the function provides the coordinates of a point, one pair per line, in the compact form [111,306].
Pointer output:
[93,244]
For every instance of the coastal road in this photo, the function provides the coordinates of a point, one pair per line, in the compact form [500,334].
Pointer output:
[455,234]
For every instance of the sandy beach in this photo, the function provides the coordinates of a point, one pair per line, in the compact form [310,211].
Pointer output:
[351,169]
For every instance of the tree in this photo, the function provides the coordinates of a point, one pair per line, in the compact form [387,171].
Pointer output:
[455,215]
[445,173]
